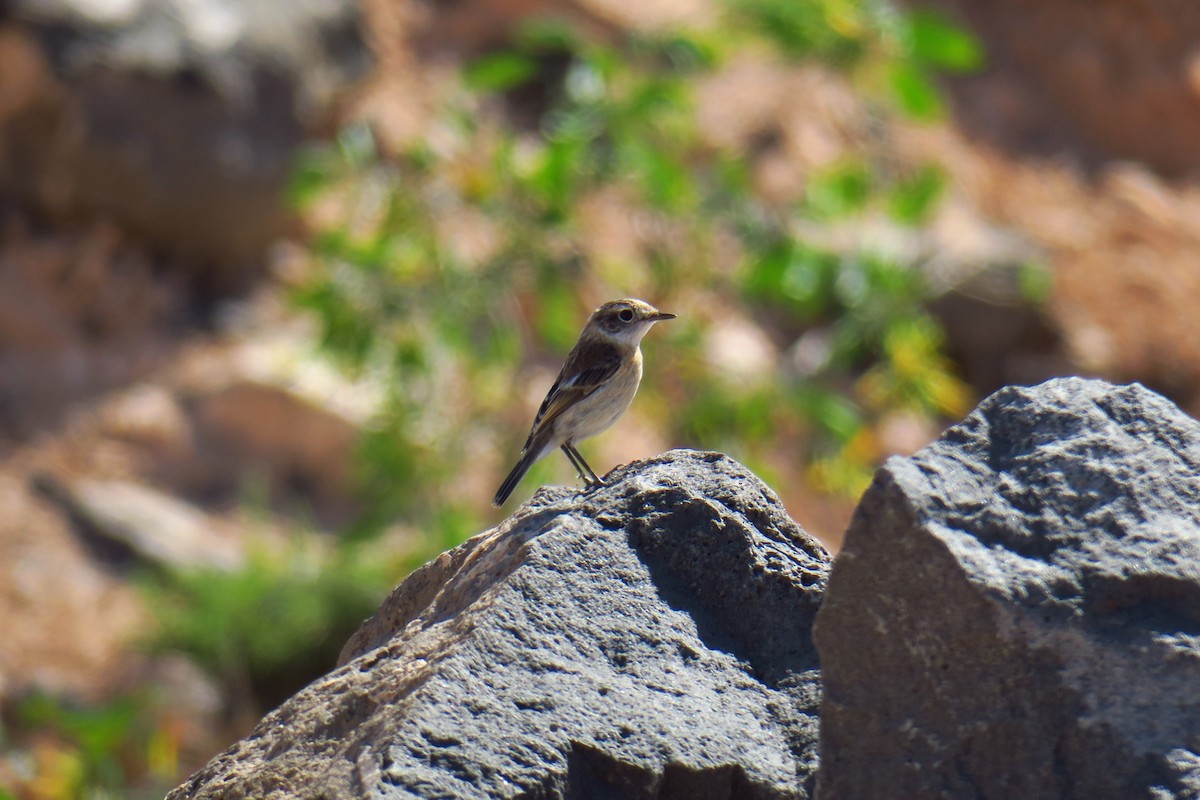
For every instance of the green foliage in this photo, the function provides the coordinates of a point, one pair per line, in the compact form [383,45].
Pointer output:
[500,72]
[838,192]
[791,272]
[914,197]
[914,91]
[123,747]
[837,31]
[836,415]
[1035,282]
[928,43]
[938,43]
[444,327]
[914,375]
[97,732]
[270,627]
[859,298]
[909,48]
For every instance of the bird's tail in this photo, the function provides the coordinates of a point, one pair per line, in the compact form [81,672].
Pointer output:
[530,455]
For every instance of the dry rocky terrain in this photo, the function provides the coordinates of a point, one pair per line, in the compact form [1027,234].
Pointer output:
[150,366]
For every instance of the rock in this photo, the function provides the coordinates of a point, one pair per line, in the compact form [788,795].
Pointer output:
[1016,610]
[178,120]
[67,623]
[131,519]
[250,434]
[78,316]
[648,639]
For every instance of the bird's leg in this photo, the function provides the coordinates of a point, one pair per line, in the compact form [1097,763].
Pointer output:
[573,456]
[590,478]
[570,454]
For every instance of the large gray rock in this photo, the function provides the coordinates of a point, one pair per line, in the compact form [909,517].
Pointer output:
[1016,610]
[650,639]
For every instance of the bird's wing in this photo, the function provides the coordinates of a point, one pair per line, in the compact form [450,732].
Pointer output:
[587,368]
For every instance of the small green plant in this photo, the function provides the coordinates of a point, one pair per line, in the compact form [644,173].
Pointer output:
[841,32]
[900,52]
[930,44]
[267,629]
[124,747]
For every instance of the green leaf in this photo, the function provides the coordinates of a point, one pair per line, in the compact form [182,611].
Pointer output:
[666,182]
[559,174]
[755,414]
[835,414]
[838,192]
[938,42]
[500,72]
[558,317]
[686,52]
[914,91]
[310,178]
[809,279]
[1036,282]
[913,198]
[834,30]
[100,730]
[800,276]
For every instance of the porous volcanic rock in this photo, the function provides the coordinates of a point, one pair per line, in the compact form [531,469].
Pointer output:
[649,639]
[1016,610]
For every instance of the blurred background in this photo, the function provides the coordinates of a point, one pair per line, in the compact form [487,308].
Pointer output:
[282,283]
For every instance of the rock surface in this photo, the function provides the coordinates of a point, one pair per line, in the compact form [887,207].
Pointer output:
[647,639]
[1016,610]
[155,527]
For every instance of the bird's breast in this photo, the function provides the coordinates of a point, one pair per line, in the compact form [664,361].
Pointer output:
[600,409]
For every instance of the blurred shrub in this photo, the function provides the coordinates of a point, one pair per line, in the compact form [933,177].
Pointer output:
[269,628]
[840,32]
[124,748]
[905,50]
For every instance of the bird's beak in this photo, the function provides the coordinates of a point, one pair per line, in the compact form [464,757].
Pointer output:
[659,316]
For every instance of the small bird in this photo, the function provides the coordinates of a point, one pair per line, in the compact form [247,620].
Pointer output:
[597,383]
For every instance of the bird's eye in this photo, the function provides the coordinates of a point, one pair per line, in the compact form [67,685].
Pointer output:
[625,315]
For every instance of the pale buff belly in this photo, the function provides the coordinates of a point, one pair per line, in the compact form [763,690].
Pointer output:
[599,410]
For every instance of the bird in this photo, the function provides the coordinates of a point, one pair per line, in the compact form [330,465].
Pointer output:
[594,388]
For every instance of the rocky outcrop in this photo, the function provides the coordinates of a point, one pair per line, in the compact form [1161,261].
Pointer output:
[180,122]
[122,520]
[1015,613]
[647,639]
[1016,610]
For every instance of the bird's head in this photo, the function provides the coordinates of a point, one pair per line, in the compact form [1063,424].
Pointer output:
[626,321]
